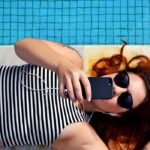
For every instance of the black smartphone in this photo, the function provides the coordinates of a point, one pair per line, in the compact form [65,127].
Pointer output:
[101,87]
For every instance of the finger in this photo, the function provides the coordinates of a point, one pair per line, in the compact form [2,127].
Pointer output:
[86,84]
[77,89]
[70,90]
[61,89]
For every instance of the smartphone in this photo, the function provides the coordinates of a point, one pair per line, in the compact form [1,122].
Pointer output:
[101,87]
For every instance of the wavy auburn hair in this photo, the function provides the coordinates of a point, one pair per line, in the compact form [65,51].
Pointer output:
[131,131]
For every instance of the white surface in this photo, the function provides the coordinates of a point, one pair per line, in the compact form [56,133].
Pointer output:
[8,56]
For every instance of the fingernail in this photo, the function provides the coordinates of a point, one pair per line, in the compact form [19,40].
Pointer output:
[89,99]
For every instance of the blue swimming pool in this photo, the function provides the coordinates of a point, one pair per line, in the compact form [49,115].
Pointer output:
[75,21]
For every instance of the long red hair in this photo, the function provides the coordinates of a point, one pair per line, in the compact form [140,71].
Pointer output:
[131,131]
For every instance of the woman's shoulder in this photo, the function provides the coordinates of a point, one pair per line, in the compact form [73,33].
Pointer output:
[79,136]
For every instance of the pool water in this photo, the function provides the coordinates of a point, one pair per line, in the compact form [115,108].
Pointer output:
[77,22]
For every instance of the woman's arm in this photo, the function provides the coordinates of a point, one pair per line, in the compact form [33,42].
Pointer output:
[67,52]
[79,136]
[147,146]
[59,58]
[39,52]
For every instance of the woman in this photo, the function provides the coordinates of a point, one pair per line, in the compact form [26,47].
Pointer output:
[32,112]
[125,105]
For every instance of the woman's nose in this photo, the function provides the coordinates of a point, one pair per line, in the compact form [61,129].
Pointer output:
[118,90]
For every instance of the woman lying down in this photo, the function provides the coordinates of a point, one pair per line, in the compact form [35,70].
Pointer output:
[41,103]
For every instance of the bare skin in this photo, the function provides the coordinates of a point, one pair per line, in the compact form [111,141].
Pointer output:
[71,139]
[147,146]
[1,144]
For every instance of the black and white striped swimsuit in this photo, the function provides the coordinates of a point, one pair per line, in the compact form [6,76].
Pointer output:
[33,116]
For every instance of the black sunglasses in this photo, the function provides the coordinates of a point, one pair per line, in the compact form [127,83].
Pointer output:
[125,100]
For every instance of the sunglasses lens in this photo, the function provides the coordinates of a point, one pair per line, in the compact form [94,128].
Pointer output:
[125,100]
[122,79]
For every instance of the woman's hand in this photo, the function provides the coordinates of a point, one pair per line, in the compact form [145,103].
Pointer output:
[71,78]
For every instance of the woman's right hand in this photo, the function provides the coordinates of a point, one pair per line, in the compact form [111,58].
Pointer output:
[71,78]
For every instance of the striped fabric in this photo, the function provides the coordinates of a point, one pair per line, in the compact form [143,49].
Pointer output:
[28,114]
